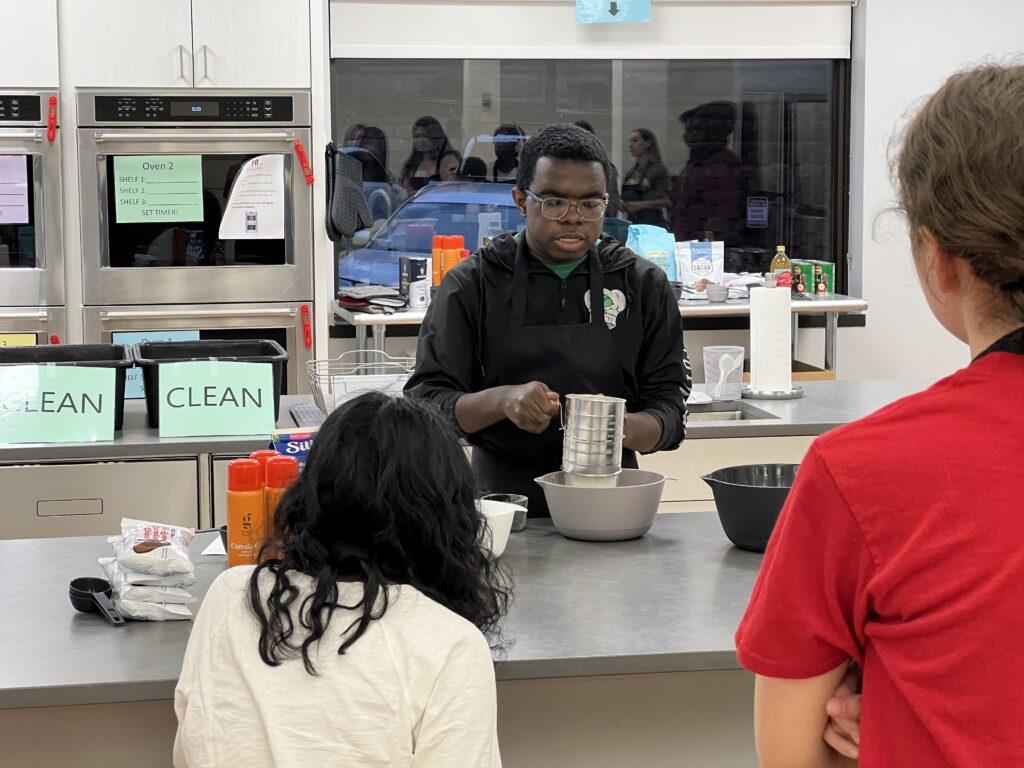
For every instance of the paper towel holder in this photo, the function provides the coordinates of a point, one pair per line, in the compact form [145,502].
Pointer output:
[780,394]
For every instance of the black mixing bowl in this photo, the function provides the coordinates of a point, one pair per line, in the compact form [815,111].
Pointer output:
[749,499]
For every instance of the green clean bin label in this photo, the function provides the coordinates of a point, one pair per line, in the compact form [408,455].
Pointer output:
[204,398]
[152,188]
[56,404]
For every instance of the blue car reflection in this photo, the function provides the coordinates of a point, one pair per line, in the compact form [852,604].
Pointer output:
[476,210]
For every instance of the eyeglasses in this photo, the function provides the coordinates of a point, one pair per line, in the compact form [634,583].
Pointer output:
[555,208]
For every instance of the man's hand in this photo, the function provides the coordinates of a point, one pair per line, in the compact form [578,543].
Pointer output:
[530,406]
[842,732]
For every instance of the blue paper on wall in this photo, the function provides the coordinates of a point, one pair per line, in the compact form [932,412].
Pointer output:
[612,11]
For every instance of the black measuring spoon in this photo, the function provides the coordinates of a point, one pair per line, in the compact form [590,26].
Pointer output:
[92,595]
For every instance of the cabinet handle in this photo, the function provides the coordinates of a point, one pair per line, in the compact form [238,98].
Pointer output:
[206,65]
[181,63]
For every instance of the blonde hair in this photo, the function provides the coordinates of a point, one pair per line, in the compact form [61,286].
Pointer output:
[960,174]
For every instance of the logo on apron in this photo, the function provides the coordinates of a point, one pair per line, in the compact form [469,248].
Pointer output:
[614,303]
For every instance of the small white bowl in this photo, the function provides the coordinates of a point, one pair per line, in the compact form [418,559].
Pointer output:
[500,515]
[717,292]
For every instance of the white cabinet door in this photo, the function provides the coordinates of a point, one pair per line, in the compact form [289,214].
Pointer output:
[251,43]
[127,43]
[28,54]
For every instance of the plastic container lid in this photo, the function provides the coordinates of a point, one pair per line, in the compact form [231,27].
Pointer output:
[245,475]
[262,457]
[282,471]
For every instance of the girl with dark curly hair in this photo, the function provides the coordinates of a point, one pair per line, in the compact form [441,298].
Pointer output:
[359,639]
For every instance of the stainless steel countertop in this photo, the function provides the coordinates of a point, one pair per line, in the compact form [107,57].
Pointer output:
[803,304]
[667,602]
[826,404]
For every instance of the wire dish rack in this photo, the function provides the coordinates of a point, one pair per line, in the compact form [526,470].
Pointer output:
[351,374]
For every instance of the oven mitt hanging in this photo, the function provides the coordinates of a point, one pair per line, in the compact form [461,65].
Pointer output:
[346,206]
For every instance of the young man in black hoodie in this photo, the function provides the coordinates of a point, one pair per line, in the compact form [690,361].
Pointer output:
[553,311]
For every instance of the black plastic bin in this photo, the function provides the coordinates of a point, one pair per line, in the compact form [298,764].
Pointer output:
[149,356]
[114,356]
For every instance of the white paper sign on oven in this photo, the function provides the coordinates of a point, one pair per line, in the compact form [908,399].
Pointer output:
[255,209]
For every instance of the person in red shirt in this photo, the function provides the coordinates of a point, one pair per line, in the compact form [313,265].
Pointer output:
[900,543]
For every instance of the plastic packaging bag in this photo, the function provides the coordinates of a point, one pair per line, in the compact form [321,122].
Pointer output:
[654,244]
[698,265]
[143,611]
[153,547]
[176,580]
[118,578]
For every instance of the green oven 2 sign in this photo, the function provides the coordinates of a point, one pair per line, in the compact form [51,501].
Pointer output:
[153,188]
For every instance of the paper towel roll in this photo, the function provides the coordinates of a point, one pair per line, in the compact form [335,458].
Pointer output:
[771,340]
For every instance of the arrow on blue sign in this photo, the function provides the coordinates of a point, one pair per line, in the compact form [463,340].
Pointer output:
[605,12]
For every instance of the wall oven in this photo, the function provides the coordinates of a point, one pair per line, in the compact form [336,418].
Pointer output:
[287,323]
[31,232]
[158,176]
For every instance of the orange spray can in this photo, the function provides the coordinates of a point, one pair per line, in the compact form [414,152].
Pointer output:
[246,515]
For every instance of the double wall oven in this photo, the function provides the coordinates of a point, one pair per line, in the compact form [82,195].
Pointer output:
[197,217]
[31,233]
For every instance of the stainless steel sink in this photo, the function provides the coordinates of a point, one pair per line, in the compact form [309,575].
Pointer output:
[729,410]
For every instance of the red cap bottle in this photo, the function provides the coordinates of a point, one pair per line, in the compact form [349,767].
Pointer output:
[262,457]
[245,475]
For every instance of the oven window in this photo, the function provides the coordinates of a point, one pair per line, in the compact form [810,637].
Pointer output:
[192,243]
[17,212]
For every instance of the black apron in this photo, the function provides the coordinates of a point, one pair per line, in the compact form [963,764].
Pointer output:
[637,192]
[569,359]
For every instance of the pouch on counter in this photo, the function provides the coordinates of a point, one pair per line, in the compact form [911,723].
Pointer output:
[117,575]
[294,442]
[700,263]
[654,244]
[144,611]
[153,547]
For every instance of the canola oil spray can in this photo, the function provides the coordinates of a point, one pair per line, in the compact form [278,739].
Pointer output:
[246,515]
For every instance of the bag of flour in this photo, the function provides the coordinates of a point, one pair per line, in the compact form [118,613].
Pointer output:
[654,244]
[698,264]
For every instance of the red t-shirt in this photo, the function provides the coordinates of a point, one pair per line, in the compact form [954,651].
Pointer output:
[902,546]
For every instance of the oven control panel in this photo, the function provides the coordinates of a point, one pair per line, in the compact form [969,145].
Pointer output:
[19,108]
[250,108]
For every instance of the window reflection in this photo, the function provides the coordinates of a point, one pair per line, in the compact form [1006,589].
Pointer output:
[745,150]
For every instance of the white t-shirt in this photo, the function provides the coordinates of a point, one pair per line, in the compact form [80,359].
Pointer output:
[416,690]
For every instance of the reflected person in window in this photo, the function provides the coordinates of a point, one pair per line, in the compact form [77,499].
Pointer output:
[429,141]
[646,186]
[375,155]
[508,143]
[705,196]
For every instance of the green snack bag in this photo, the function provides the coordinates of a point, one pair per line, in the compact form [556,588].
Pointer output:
[824,277]
[803,277]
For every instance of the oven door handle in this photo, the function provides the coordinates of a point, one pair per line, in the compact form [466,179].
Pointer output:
[30,135]
[176,136]
[195,313]
[39,317]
